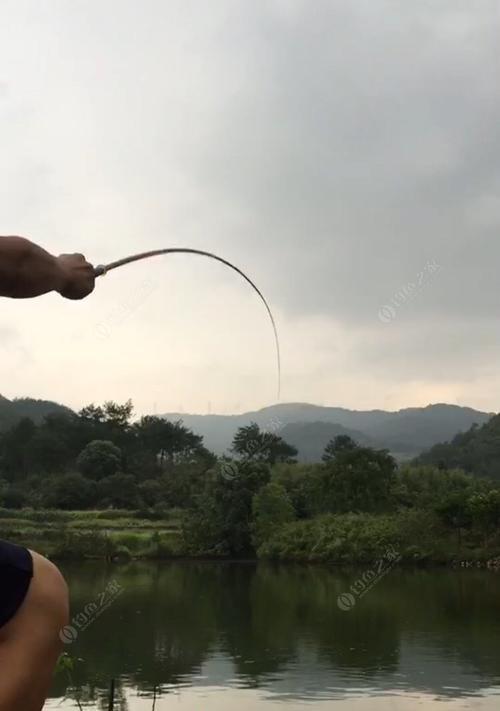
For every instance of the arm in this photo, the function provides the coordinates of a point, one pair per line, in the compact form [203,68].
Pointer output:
[27,270]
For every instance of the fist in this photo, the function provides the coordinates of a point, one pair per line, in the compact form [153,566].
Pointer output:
[77,276]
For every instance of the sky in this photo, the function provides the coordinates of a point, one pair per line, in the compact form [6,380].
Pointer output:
[344,153]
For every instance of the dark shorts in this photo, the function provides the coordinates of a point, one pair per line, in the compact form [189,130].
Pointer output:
[16,571]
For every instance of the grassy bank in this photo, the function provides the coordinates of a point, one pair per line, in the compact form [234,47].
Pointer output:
[416,537]
[93,534]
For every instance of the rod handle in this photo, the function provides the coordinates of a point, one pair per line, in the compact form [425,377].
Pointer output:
[100,270]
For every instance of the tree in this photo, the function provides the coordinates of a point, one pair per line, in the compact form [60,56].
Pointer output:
[151,492]
[46,452]
[341,443]
[13,445]
[357,478]
[110,414]
[271,508]
[119,490]
[70,491]
[169,442]
[251,444]
[221,519]
[476,451]
[424,487]
[484,509]
[99,442]
[13,497]
[110,422]
[454,512]
[99,459]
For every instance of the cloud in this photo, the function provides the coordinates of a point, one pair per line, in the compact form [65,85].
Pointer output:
[14,352]
[332,150]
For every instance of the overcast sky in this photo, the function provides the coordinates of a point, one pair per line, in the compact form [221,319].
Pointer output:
[344,153]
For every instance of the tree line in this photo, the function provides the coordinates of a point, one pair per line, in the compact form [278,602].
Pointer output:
[258,499]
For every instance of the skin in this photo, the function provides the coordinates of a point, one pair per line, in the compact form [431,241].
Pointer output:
[27,270]
[30,643]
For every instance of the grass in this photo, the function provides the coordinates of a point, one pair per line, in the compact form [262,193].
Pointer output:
[94,534]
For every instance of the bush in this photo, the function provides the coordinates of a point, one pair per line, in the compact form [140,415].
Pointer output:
[342,539]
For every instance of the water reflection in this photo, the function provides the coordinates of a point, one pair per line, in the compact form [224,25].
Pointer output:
[274,633]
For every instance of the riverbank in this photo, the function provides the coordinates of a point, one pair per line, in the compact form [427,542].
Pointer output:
[350,539]
[106,535]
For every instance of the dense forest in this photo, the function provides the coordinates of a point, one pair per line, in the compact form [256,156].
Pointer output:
[476,451]
[259,501]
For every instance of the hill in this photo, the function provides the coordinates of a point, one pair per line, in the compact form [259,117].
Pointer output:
[11,411]
[406,433]
[311,438]
[476,451]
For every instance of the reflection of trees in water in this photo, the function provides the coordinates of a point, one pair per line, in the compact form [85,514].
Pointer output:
[171,618]
[364,640]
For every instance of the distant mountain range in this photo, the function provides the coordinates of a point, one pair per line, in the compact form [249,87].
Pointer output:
[406,433]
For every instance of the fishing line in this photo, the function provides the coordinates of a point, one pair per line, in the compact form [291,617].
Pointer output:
[105,268]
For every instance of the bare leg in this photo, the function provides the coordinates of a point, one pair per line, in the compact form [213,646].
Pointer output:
[30,644]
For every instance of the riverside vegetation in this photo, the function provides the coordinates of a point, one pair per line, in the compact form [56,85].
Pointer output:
[97,484]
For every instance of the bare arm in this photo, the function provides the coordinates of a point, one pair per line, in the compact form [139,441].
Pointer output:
[27,270]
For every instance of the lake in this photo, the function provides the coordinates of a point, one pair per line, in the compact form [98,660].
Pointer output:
[211,636]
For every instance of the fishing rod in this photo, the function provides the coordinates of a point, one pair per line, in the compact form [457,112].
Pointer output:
[103,269]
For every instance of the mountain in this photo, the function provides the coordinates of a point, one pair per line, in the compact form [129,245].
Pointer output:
[311,438]
[417,428]
[406,432]
[476,451]
[11,411]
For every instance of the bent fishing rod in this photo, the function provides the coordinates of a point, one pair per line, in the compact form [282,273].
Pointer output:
[103,269]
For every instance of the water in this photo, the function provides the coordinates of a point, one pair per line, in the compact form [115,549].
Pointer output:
[216,637]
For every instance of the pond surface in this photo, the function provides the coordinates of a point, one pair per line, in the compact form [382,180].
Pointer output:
[232,636]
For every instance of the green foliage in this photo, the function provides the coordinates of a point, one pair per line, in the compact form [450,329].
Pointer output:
[150,491]
[484,509]
[338,539]
[476,451]
[70,491]
[355,478]
[298,481]
[341,443]
[12,497]
[252,444]
[110,414]
[65,663]
[90,534]
[170,442]
[99,459]
[362,538]
[426,486]
[203,529]
[118,490]
[13,449]
[220,522]
[345,509]
[271,509]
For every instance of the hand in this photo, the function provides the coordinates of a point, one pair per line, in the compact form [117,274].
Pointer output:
[77,276]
